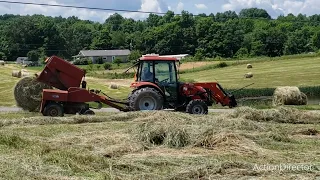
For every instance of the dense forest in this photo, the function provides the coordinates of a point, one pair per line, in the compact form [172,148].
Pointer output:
[251,32]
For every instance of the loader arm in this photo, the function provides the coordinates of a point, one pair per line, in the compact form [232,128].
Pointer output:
[218,94]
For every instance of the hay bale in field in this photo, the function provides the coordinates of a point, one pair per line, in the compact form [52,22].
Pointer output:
[28,93]
[16,74]
[289,95]
[249,66]
[114,86]
[2,63]
[248,75]
[24,70]
[25,74]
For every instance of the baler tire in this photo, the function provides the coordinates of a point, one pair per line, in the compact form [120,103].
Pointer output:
[55,108]
[136,99]
[197,107]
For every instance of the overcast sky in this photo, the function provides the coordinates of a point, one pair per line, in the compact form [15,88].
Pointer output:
[274,7]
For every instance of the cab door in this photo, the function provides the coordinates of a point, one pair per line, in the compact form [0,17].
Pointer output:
[166,79]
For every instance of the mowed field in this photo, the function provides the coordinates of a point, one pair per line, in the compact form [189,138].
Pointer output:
[247,144]
[266,74]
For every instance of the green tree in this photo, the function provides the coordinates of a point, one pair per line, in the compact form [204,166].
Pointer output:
[117,61]
[254,13]
[134,55]
[33,56]
[3,56]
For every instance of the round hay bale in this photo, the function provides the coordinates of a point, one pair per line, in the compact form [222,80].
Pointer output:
[2,63]
[28,93]
[248,75]
[249,66]
[24,70]
[289,95]
[114,86]
[25,74]
[16,74]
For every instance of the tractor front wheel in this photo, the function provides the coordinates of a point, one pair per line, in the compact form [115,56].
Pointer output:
[146,99]
[197,107]
[53,110]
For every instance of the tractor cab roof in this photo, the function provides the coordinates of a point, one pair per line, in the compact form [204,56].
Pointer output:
[157,58]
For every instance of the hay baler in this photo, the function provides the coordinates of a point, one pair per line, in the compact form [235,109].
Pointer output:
[156,87]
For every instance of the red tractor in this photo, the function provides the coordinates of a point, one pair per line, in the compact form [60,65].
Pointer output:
[156,87]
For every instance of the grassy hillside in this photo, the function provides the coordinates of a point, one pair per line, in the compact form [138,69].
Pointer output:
[161,145]
[266,74]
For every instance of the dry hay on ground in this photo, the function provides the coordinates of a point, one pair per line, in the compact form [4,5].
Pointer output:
[28,93]
[280,114]
[288,95]
[249,66]
[16,73]
[2,63]
[227,141]
[163,134]
[248,75]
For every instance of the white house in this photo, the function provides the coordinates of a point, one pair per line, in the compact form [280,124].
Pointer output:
[106,55]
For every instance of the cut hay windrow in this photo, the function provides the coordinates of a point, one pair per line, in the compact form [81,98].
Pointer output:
[280,114]
[288,95]
[230,141]
[28,93]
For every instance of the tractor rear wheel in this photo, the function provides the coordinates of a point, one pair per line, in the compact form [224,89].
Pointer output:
[197,107]
[146,99]
[53,110]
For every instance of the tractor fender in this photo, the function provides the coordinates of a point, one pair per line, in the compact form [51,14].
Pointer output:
[139,85]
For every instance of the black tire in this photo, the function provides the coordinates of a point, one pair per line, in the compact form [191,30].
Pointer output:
[89,112]
[53,110]
[146,99]
[197,107]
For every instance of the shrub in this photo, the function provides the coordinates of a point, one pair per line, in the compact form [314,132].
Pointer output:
[222,64]
[107,66]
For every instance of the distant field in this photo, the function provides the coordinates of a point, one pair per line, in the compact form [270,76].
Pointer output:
[266,74]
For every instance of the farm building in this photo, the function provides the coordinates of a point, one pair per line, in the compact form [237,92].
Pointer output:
[106,55]
[178,56]
[22,60]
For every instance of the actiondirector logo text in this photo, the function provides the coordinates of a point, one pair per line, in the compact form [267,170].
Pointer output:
[284,167]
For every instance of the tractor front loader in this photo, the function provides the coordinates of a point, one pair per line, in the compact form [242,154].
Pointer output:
[156,87]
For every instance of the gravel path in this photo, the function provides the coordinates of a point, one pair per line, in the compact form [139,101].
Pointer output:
[15,109]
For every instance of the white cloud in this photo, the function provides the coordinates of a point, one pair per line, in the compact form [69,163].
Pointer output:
[201,6]
[157,6]
[276,7]
[180,6]
[53,11]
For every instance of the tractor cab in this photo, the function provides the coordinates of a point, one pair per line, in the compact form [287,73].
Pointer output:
[160,72]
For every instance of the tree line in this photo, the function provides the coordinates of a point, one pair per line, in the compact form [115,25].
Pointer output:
[251,32]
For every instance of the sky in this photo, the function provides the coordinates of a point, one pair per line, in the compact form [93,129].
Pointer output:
[274,7]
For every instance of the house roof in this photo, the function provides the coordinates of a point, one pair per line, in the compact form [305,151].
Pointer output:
[90,53]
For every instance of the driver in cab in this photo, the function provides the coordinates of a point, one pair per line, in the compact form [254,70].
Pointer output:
[147,75]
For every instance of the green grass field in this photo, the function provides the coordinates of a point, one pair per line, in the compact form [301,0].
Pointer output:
[266,74]
[161,145]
